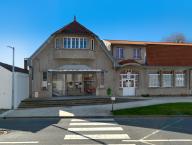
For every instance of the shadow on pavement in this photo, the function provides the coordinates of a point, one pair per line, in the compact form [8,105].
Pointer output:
[173,124]
[27,124]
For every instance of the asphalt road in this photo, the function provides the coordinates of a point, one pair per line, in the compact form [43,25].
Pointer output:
[95,131]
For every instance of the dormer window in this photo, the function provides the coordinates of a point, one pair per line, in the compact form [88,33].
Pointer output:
[75,42]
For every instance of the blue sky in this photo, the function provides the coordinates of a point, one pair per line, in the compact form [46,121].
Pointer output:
[26,24]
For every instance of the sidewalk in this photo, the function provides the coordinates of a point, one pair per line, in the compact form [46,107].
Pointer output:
[90,110]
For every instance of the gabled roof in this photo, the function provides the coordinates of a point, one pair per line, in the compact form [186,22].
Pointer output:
[17,69]
[127,42]
[74,28]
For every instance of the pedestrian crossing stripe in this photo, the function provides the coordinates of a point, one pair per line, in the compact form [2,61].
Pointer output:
[92,119]
[91,123]
[100,144]
[97,129]
[96,136]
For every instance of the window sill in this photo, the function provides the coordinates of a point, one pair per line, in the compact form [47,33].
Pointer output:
[167,87]
[154,87]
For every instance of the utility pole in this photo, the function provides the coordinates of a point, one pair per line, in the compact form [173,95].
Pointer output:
[13,78]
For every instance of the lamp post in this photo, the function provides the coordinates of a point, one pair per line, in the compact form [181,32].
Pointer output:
[13,77]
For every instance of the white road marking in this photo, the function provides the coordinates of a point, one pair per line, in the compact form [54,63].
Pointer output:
[96,136]
[121,144]
[92,123]
[92,119]
[159,140]
[27,142]
[97,129]
[100,144]
[157,131]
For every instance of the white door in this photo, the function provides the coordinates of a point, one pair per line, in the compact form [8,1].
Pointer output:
[129,90]
[129,85]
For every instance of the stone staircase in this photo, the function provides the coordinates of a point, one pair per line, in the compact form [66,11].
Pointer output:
[39,103]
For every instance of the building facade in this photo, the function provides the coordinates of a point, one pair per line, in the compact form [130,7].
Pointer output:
[74,61]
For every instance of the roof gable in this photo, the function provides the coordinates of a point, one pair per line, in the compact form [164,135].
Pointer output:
[74,28]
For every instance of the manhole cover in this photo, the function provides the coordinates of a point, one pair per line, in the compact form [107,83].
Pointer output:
[3,131]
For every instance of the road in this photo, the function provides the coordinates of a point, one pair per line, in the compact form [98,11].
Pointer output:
[96,131]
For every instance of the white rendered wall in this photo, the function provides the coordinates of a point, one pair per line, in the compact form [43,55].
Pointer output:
[5,88]
[21,88]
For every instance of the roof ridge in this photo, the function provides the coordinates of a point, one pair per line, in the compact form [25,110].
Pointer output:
[9,67]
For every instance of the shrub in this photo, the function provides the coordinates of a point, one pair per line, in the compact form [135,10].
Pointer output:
[109,92]
[145,95]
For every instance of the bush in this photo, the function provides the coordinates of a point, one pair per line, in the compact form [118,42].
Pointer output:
[109,92]
[145,95]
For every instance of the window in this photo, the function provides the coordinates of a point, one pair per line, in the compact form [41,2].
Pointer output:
[76,42]
[119,53]
[167,80]
[92,45]
[137,53]
[73,43]
[102,79]
[180,80]
[85,42]
[44,76]
[81,43]
[65,43]
[68,42]
[154,80]
[58,43]
[129,80]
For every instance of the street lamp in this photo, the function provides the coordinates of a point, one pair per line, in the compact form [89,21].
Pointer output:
[13,77]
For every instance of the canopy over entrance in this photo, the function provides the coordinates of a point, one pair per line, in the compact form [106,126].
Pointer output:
[74,68]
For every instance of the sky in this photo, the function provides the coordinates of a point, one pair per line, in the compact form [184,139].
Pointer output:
[26,24]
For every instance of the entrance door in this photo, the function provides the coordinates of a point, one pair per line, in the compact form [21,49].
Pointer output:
[128,85]
[58,84]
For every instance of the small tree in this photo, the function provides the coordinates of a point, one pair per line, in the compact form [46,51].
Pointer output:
[176,37]
[109,92]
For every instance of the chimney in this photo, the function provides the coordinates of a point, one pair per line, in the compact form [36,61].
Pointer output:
[25,64]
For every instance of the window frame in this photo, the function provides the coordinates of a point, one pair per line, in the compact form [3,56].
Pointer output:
[162,80]
[60,43]
[44,77]
[183,80]
[159,82]
[75,43]
[137,53]
[119,53]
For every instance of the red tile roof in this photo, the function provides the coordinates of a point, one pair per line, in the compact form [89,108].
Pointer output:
[74,28]
[169,55]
